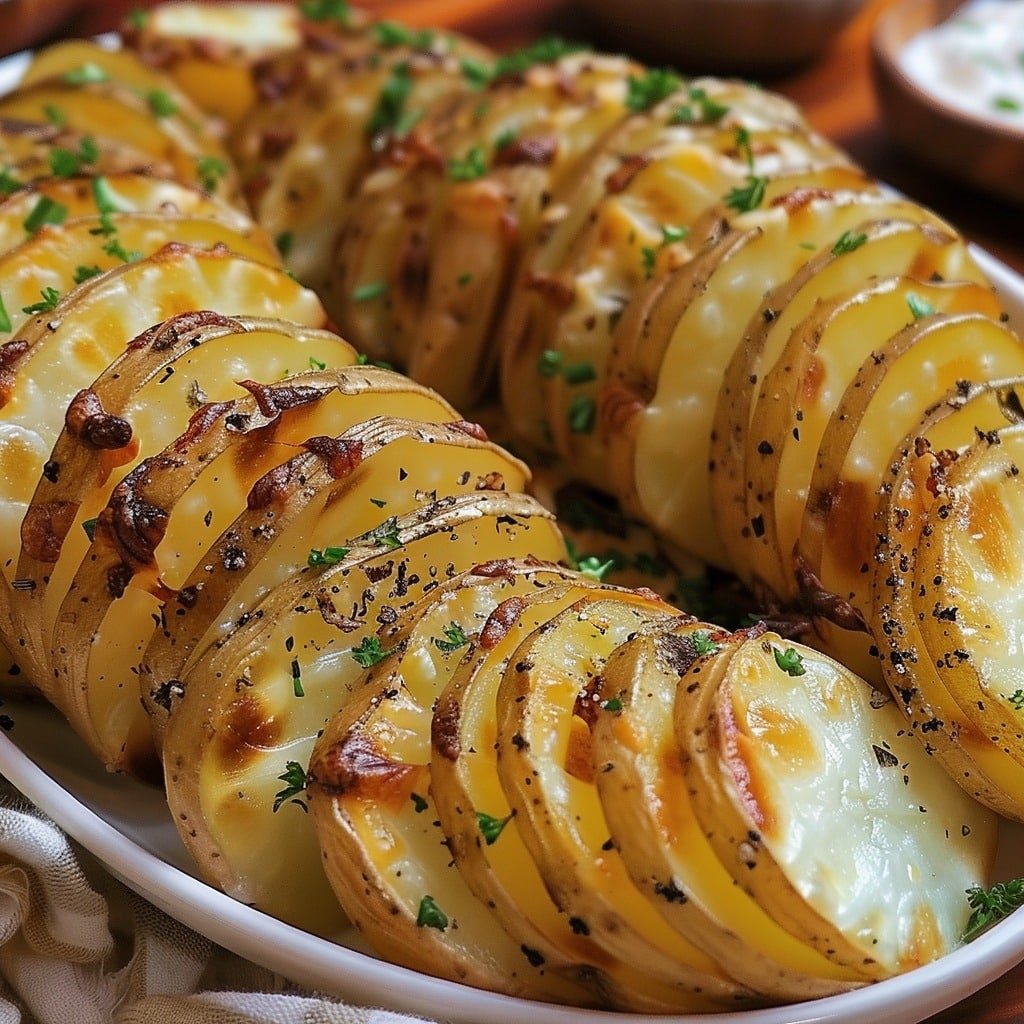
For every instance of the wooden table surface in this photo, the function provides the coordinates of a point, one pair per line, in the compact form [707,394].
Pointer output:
[836,93]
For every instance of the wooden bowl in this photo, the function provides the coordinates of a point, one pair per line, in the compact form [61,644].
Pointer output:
[24,22]
[970,148]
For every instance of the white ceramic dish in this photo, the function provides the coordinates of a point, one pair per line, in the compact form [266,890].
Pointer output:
[126,825]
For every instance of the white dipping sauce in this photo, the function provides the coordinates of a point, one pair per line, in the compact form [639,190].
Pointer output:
[974,61]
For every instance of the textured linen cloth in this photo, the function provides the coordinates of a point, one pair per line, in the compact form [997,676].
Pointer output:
[77,947]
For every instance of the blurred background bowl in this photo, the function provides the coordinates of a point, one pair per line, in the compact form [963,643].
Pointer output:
[969,148]
[738,36]
[24,22]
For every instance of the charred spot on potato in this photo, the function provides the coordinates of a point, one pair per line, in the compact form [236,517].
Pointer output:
[44,528]
[341,456]
[500,621]
[87,421]
[444,730]
[246,726]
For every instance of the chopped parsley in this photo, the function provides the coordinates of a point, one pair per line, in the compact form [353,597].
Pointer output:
[161,103]
[297,679]
[701,108]
[83,273]
[284,242]
[464,278]
[848,242]
[55,115]
[470,167]
[90,529]
[46,211]
[789,661]
[9,184]
[369,652]
[919,307]
[670,234]
[85,74]
[593,568]
[1017,700]
[549,363]
[582,414]
[743,146]
[491,828]
[88,151]
[648,90]
[990,906]
[329,556]
[648,257]
[703,645]
[475,72]
[64,163]
[49,301]
[326,10]
[364,360]
[390,108]
[117,251]
[370,290]
[316,364]
[430,915]
[5,317]
[580,373]
[505,138]
[390,33]
[544,51]
[138,18]
[106,203]
[1008,104]
[612,704]
[744,198]
[294,777]
[211,171]
[454,638]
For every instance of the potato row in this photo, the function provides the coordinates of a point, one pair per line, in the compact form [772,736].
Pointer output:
[318,603]
[690,301]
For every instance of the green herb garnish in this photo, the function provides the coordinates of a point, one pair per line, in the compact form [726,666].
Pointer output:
[5,317]
[919,307]
[582,414]
[117,251]
[549,363]
[55,115]
[369,652]
[90,529]
[316,364]
[991,905]
[329,556]
[297,679]
[46,211]
[580,373]
[470,167]
[83,274]
[370,290]
[703,645]
[294,777]
[85,74]
[476,73]
[391,102]
[50,299]
[211,171]
[491,828]
[64,163]
[648,90]
[789,661]
[326,10]
[1017,700]
[744,198]
[390,33]
[284,242]
[848,242]
[544,51]
[430,915]
[9,184]
[161,103]
[454,638]
[593,568]
[612,704]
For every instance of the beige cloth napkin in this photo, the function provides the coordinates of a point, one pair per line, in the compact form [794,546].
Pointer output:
[77,947]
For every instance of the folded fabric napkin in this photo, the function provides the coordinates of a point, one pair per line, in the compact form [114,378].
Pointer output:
[77,947]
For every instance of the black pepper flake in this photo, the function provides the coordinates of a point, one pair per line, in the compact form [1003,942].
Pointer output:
[519,743]
[579,926]
[765,448]
[757,525]
[51,471]
[534,956]
[289,644]
[670,891]
[885,758]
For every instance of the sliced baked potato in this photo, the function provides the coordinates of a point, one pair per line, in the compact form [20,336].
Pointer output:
[241,719]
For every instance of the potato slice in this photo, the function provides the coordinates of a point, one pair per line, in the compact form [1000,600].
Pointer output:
[913,485]
[671,381]
[240,720]
[384,850]
[795,399]
[545,706]
[131,193]
[873,872]
[879,250]
[895,386]
[305,506]
[303,184]
[656,830]
[658,169]
[469,798]
[209,604]
[54,356]
[109,109]
[27,153]
[81,57]
[51,258]
[135,409]
[212,50]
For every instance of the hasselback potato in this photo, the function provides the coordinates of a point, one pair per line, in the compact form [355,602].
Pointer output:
[238,554]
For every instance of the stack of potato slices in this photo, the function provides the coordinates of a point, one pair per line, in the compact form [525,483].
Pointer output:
[240,555]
